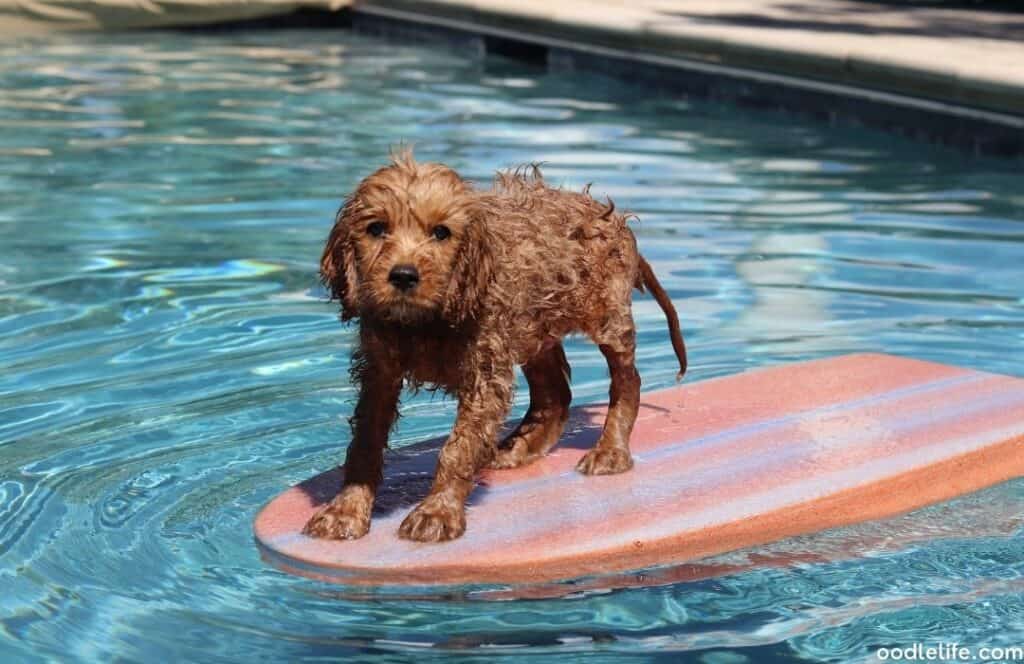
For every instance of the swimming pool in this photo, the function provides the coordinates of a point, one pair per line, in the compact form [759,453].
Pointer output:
[169,363]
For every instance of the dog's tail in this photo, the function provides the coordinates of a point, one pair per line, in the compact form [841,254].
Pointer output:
[648,279]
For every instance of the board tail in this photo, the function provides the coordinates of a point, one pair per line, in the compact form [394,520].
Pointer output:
[648,279]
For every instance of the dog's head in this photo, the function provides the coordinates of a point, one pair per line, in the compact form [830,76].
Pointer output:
[409,245]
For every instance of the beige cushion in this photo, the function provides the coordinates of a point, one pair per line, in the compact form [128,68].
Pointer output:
[19,17]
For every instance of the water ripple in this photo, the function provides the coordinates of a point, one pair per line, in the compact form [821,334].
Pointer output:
[170,362]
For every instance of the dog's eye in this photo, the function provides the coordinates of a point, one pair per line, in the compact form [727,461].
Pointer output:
[442,232]
[376,229]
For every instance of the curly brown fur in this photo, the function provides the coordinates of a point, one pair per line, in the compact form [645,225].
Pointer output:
[453,287]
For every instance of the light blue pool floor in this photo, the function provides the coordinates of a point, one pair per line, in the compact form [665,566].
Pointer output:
[170,364]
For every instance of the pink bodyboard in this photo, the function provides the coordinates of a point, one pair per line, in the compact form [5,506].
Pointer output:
[720,465]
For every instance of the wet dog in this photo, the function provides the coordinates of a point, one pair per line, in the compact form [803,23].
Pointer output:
[453,287]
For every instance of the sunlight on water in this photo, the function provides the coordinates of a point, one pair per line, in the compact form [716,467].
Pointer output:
[170,363]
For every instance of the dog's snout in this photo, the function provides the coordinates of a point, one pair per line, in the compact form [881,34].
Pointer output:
[404,277]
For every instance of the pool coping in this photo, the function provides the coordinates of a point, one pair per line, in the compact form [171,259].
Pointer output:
[806,82]
[892,70]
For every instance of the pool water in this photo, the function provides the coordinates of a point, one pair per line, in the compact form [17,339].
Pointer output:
[170,362]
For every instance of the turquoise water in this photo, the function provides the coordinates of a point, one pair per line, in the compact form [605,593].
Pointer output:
[170,363]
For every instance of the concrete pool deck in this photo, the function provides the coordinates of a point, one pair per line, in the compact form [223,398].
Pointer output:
[954,75]
[966,56]
[944,75]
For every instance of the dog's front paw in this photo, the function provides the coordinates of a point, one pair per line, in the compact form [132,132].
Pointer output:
[436,519]
[605,461]
[342,518]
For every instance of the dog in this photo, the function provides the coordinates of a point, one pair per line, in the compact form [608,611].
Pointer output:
[453,287]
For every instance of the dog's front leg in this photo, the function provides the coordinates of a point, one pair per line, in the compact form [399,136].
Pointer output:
[483,405]
[347,516]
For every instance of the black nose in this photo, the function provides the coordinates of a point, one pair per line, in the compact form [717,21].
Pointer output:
[403,277]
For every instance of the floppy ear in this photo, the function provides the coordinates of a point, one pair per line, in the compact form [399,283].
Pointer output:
[337,264]
[471,273]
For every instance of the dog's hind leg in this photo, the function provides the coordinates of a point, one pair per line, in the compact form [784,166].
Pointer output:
[548,376]
[611,453]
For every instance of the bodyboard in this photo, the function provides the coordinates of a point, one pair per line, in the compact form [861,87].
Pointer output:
[720,465]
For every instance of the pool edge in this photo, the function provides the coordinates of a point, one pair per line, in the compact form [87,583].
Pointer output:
[853,101]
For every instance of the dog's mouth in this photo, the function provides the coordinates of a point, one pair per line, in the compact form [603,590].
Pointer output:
[411,297]
[406,307]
